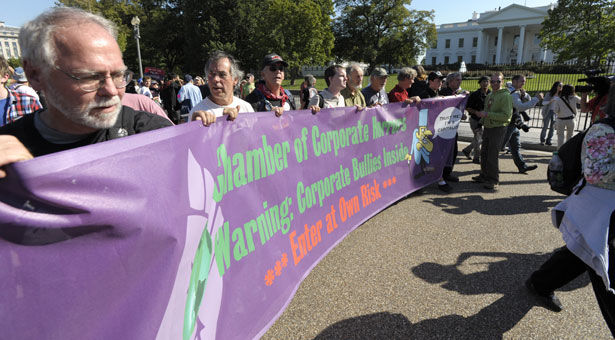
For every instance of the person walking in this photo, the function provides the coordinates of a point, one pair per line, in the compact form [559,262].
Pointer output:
[548,117]
[565,109]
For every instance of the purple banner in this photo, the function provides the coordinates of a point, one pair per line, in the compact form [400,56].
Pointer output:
[193,232]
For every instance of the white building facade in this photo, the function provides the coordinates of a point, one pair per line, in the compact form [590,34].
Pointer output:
[9,41]
[505,36]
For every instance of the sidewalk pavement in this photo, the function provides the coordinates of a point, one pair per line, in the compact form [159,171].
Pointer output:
[529,140]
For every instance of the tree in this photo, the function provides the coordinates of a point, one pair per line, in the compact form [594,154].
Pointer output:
[580,29]
[382,31]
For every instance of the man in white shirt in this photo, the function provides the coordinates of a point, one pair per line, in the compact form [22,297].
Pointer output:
[144,89]
[223,75]
[335,76]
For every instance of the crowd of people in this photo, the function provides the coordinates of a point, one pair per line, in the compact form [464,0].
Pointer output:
[87,97]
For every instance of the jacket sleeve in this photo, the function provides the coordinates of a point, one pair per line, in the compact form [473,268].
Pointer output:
[501,110]
[522,106]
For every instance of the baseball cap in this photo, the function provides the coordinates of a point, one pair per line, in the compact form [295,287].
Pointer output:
[483,78]
[20,75]
[379,72]
[187,78]
[273,58]
[434,75]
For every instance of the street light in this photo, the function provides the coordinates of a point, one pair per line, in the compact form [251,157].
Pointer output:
[135,25]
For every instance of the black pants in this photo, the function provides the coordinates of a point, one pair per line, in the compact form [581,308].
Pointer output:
[448,170]
[563,266]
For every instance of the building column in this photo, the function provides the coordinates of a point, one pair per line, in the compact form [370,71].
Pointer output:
[479,48]
[520,47]
[498,49]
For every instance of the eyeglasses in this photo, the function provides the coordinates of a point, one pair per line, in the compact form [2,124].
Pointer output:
[92,83]
[274,68]
[495,81]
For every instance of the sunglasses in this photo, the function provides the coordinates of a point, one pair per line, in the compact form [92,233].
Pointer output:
[495,81]
[274,68]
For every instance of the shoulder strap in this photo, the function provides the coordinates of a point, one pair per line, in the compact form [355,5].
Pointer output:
[566,102]
[321,101]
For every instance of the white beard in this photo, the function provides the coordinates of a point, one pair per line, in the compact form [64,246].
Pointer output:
[82,115]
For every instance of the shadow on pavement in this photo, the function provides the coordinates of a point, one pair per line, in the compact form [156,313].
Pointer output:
[474,273]
[500,206]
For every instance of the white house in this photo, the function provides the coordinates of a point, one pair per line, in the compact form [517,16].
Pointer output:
[9,41]
[505,36]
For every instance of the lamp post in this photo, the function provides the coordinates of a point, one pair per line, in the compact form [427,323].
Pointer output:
[135,25]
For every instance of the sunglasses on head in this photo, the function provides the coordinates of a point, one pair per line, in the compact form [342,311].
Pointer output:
[274,68]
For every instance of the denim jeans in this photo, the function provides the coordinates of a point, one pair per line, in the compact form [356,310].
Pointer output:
[515,146]
[547,123]
[477,129]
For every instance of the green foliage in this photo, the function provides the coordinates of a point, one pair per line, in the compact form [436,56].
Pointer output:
[14,62]
[580,29]
[382,31]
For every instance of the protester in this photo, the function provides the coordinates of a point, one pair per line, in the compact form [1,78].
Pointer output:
[189,95]
[434,83]
[587,222]
[269,95]
[420,82]
[375,93]
[476,103]
[495,117]
[399,93]
[565,109]
[155,90]
[83,108]
[521,102]
[352,93]
[14,104]
[335,77]
[453,87]
[308,91]
[223,74]
[548,117]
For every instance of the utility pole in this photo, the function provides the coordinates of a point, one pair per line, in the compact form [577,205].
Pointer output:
[135,25]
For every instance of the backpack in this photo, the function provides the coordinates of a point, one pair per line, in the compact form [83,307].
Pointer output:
[565,168]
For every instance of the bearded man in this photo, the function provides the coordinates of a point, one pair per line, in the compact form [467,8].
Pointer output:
[73,58]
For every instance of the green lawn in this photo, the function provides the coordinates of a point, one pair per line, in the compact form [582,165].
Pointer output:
[539,83]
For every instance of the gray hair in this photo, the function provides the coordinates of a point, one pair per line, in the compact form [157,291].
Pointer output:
[36,36]
[353,66]
[454,75]
[311,80]
[236,73]
[406,73]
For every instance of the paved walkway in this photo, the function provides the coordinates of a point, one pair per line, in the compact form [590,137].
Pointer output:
[529,140]
[438,266]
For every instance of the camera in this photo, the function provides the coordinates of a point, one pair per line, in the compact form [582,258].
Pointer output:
[518,122]
[593,82]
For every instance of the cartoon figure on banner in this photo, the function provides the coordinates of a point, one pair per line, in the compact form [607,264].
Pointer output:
[190,293]
[422,146]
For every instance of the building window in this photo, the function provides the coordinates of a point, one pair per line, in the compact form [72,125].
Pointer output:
[447,43]
[493,59]
[473,59]
[7,48]
[460,42]
[15,50]
[433,60]
[445,60]
[475,42]
[459,59]
[496,41]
